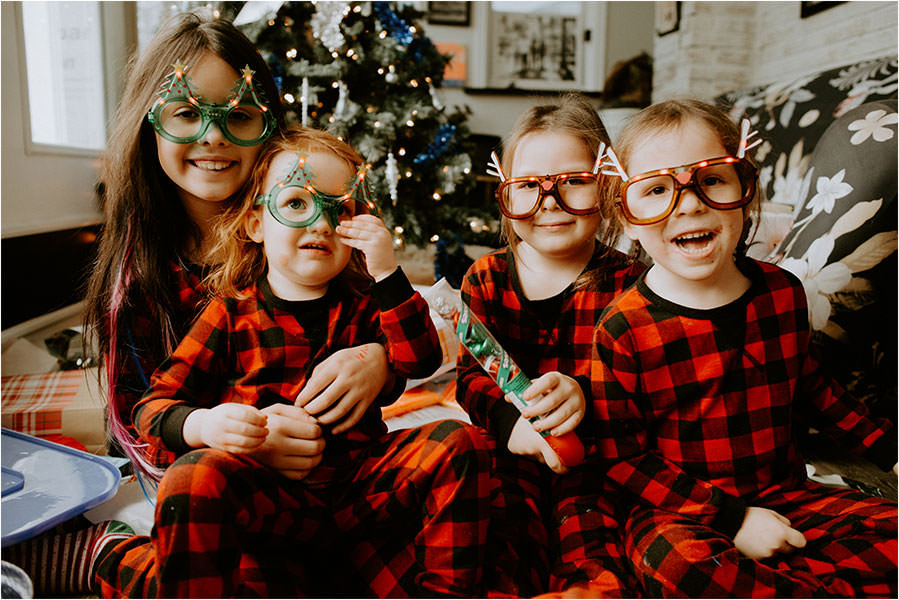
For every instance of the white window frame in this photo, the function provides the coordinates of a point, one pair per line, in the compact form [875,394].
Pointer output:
[118,35]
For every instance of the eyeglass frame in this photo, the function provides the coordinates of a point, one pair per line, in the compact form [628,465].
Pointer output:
[751,171]
[542,193]
[324,202]
[212,113]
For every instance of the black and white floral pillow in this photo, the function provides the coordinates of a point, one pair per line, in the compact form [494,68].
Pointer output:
[843,241]
[792,116]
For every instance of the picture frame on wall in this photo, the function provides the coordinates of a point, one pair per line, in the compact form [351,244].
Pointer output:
[667,17]
[449,13]
[807,9]
[535,51]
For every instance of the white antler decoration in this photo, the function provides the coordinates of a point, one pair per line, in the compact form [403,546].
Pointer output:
[493,167]
[745,136]
[608,162]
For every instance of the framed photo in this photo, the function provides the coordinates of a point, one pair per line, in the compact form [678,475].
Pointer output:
[456,72]
[535,51]
[808,9]
[667,17]
[449,13]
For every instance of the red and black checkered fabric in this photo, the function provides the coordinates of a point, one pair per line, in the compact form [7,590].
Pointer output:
[540,341]
[411,521]
[141,347]
[697,409]
[851,550]
[256,351]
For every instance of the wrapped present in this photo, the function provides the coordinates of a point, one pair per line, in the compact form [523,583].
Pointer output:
[56,403]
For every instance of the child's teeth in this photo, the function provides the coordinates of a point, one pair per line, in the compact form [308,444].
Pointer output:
[212,165]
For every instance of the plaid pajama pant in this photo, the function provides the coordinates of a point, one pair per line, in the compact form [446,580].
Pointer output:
[851,550]
[588,529]
[517,544]
[411,521]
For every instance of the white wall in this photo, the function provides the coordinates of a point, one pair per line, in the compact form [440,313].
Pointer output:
[722,46]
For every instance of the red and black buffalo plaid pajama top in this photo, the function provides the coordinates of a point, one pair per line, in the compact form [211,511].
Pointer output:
[699,411]
[384,514]
[141,349]
[554,334]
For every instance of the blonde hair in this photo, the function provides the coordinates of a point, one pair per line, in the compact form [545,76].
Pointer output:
[670,114]
[574,116]
[241,261]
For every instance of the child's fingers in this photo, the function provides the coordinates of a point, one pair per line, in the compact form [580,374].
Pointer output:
[541,385]
[552,459]
[542,407]
[795,538]
[567,426]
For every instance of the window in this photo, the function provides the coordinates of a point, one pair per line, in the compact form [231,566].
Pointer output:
[64,69]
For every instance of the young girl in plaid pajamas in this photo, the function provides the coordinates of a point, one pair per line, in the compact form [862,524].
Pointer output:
[405,510]
[702,377]
[160,199]
[540,297]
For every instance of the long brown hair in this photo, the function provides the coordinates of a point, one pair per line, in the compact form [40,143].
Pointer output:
[574,116]
[241,261]
[670,114]
[146,226]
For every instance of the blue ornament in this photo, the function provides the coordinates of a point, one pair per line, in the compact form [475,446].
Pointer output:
[443,141]
[395,26]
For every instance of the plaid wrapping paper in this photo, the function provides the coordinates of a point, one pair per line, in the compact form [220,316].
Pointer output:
[55,403]
[540,339]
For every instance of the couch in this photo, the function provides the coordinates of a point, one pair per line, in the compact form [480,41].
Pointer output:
[829,161]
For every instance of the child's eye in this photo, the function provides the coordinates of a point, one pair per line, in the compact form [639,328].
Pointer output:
[296,204]
[710,180]
[577,181]
[239,115]
[526,185]
[346,210]
[187,113]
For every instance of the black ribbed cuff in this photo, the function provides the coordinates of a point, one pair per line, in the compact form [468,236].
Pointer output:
[393,290]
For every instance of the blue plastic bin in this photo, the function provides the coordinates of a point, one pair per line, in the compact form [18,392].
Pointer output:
[45,483]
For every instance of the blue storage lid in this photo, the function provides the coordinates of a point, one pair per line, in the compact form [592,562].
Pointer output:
[45,483]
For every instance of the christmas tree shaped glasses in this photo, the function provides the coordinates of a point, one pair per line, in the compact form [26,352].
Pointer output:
[180,117]
[295,202]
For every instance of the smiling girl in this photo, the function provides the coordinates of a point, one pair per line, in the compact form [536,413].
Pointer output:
[702,377]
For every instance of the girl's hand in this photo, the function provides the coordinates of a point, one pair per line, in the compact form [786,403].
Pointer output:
[232,427]
[344,385]
[369,234]
[562,406]
[294,444]
[524,441]
[765,533]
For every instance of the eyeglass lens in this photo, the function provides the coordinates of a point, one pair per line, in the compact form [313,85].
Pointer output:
[182,119]
[520,195]
[297,205]
[652,197]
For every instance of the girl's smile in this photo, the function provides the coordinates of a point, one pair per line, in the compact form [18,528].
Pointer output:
[693,248]
[212,169]
[553,232]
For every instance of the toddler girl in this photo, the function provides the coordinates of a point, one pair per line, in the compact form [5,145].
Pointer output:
[406,510]
[540,297]
[703,375]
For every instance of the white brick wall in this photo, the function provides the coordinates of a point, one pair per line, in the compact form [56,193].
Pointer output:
[721,46]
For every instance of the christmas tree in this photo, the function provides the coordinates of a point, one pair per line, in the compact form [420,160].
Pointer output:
[367,73]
